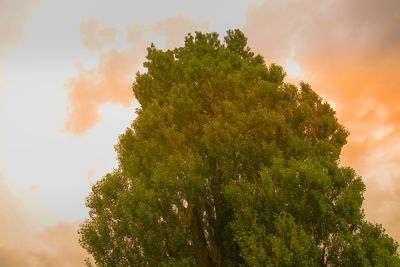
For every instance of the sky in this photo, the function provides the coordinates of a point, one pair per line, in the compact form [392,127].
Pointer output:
[66,70]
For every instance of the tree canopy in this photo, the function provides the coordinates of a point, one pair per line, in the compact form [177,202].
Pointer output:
[228,165]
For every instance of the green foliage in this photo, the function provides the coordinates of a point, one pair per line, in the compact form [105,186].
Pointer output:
[227,165]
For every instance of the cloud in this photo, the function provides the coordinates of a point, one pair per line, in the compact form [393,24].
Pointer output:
[382,203]
[22,216]
[15,258]
[14,226]
[61,242]
[29,235]
[12,26]
[349,52]
[60,248]
[93,38]
[174,29]
[111,80]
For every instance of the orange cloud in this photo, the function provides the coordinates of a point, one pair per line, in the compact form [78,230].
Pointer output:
[15,258]
[61,241]
[111,80]
[12,26]
[174,29]
[349,52]
[382,203]
[61,249]
[26,241]
[93,38]
[14,228]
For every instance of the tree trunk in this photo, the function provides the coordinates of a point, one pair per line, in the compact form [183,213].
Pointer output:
[201,251]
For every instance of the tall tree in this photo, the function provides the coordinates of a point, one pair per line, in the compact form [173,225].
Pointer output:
[228,165]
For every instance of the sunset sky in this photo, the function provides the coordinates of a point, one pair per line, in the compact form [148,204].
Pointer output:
[66,70]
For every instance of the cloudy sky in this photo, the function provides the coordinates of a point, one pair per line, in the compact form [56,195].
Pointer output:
[66,69]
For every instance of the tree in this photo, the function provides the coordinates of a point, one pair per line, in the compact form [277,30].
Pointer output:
[228,165]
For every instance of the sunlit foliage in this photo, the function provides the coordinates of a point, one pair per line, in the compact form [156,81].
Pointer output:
[228,165]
